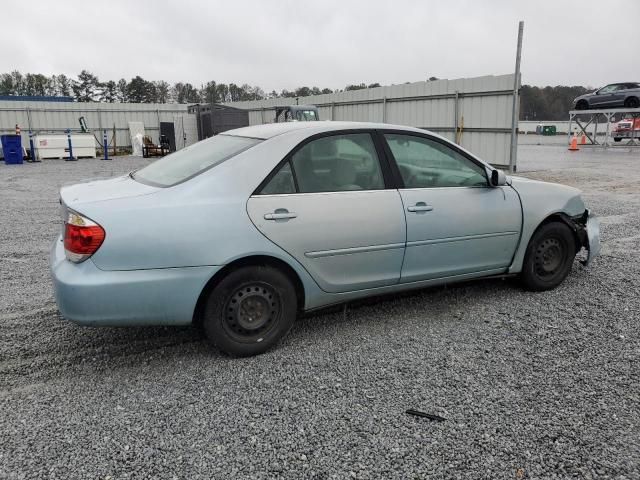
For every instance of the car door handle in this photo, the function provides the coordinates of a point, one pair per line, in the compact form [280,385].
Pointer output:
[280,215]
[420,207]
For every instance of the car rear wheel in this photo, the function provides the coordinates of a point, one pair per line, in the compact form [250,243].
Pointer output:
[250,310]
[549,257]
[632,102]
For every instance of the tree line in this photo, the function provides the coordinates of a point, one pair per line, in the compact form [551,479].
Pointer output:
[548,103]
[536,103]
[87,87]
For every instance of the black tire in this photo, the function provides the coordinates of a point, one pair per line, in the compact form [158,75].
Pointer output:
[250,310]
[549,257]
[632,102]
[617,139]
[582,105]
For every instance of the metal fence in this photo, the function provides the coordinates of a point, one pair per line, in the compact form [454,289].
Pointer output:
[475,112]
[56,117]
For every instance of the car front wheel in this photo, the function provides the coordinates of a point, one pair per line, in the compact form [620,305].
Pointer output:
[250,310]
[549,257]
[582,105]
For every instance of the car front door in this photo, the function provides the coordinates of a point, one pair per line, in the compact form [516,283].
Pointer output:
[605,96]
[456,223]
[327,204]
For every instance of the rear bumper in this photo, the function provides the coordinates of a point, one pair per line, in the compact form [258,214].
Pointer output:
[89,296]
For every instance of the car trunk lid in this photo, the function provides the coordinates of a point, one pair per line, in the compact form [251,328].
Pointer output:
[102,190]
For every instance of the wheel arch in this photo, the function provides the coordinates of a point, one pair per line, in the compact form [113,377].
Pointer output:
[252,260]
[560,217]
[631,97]
[581,102]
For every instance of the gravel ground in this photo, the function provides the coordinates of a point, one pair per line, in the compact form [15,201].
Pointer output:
[531,385]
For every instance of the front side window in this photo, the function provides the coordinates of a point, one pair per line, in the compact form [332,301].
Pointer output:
[425,163]
[192,160]
[608,89]
[330,164]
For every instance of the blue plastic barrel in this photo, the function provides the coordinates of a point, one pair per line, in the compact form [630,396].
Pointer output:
[12,149]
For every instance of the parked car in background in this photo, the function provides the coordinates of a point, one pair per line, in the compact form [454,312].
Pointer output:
[615,95]
[626,128]
[243,231]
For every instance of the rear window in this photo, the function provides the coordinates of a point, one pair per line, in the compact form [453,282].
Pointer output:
[193,160]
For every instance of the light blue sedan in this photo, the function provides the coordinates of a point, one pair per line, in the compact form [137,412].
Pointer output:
[244,231]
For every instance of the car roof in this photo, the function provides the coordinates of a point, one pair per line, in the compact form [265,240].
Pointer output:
[297,107]
[270,130]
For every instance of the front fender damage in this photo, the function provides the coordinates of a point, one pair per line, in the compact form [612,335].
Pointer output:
[586,228]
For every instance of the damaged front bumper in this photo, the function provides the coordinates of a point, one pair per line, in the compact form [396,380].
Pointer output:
[587,227]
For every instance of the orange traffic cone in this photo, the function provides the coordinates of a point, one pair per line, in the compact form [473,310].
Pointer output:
[573,147]
[583,139]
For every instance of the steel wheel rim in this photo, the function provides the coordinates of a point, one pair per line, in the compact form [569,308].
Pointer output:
[549,257]
[251,311]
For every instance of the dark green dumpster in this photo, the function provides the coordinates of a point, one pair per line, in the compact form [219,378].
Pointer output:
[542,129]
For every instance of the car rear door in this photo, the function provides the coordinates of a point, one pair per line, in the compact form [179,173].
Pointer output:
[327,204]
[618,96]
[456,223]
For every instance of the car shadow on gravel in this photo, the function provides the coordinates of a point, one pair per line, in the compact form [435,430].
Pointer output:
[441,301]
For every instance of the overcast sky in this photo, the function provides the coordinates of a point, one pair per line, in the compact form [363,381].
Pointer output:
[325,43]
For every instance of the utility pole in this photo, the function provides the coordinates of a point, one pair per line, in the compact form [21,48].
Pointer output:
[514,110]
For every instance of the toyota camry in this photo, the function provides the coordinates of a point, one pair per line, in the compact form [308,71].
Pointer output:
[243,232]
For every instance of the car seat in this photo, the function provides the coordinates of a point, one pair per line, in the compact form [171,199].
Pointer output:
[344,175]
[305,174]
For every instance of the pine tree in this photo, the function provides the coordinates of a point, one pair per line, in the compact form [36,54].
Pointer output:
[109,93]
[87,88]
[64,85]
[162,91]
[121,91]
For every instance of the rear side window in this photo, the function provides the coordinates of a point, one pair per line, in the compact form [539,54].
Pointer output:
[282,182]
[193,160]
[335,163]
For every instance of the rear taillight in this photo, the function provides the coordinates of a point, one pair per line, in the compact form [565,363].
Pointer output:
[82,237]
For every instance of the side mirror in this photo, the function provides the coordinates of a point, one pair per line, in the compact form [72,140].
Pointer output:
[498,178]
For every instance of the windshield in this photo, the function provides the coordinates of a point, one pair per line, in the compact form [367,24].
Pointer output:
[306,115]
[193,160]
